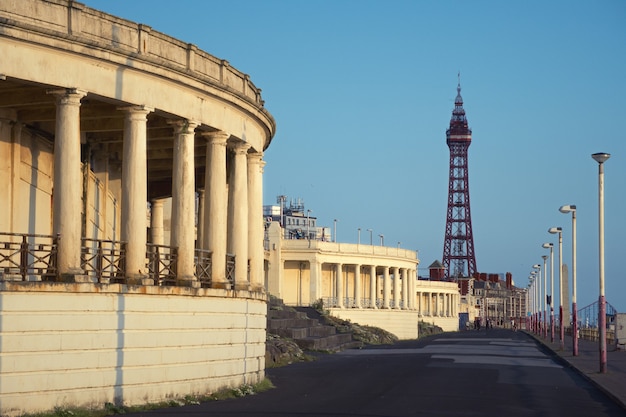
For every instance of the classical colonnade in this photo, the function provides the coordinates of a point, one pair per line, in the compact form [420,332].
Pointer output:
[433,303]
[388,289]
[231,200]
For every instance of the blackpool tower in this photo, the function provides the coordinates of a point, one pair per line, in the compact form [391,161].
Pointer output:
[458,248]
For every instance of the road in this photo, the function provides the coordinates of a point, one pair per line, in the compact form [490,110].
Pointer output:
[483,373]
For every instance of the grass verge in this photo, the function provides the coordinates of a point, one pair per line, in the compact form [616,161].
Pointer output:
[111,409]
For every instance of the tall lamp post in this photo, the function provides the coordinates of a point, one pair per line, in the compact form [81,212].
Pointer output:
[335,230]
[572,209]
[382,240]
[532,292]
[545,297]
[535,285]
[371,242]
[529,309]
[550,297]
[537,268]
[601,158]
[558,230]
[359,239]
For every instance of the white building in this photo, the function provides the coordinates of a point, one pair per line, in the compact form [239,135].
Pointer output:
[368,284]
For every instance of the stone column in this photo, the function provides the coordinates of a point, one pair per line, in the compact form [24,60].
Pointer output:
[340,294]
[156,222]
[439,304]
[396,287]
[255,220]
[413,283]
[418,303]
[184,201]
[9,166]
[357,285]
[216,207]
[68,192]
[238,202]
[409,289]
[386,289]
[405,289]
[135,193]
[315,284]
[373,292]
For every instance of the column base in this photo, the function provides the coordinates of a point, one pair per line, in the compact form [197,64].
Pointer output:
[257,288]
[221,285]
[139,281]
[245,286]
[189,283]
[76,276]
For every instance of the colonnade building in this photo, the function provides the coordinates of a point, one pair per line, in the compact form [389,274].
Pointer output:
[365,283]
[101,119]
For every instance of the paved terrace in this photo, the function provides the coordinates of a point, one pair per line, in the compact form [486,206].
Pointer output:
[587,363]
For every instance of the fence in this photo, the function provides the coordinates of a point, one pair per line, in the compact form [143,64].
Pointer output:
[28,257]
[33,257]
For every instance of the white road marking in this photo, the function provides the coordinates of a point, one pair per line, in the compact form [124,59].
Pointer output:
[498,360]
[480,351]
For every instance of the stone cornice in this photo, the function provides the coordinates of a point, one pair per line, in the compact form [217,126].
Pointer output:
[151,51]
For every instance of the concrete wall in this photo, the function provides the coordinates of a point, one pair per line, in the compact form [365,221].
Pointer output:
[402,323]
[448,324]
[84,344]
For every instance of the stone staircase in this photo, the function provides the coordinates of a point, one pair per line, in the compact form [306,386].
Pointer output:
[303,325]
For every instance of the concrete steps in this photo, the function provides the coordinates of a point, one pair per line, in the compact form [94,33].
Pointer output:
[303,325]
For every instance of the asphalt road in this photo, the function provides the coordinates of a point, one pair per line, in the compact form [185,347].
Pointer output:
[474,373]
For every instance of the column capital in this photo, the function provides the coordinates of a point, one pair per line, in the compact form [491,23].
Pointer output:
[256,158]
[217,137]
[137,112]
[241,148]
[71,96]
[184,126]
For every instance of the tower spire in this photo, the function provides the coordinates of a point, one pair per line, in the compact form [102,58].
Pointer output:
[458,248]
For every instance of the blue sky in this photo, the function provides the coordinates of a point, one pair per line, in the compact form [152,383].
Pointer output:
[362,93]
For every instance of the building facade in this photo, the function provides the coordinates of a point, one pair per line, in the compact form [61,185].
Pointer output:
[367,284]
[101,119]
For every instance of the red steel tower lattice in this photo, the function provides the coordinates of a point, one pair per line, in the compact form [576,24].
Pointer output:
[458,248]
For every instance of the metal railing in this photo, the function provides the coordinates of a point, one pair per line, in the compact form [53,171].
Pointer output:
[203,267]
[161,264]
[230,268]
[26,257]
[33,257]
[103,260]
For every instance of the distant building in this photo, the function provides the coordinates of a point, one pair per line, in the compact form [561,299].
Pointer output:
[296,222]
[368,284]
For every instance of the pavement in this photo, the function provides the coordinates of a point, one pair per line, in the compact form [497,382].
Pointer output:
[587,363]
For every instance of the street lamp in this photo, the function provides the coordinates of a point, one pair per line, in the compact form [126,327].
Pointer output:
[550,297]
[558,230]
[371,242]
[382,240]
[537,268]
[570,208]
[532,292]
[335,230]
[545,297]
[359,241]
[534,283]
[601,158]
